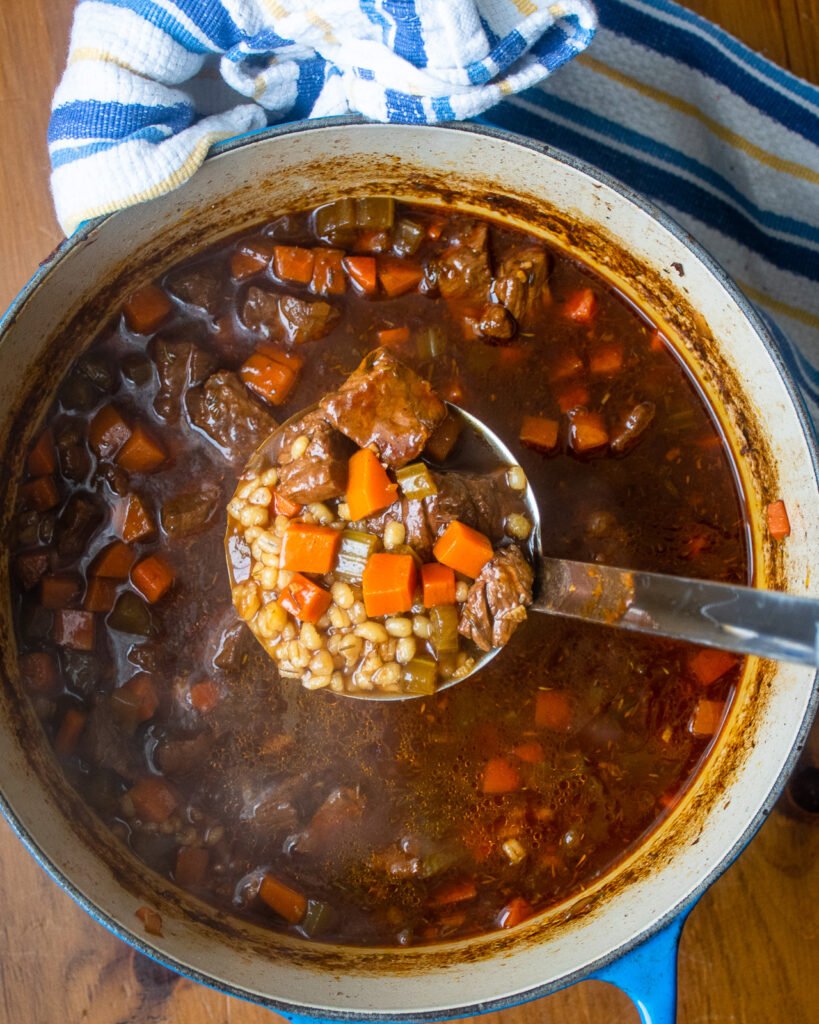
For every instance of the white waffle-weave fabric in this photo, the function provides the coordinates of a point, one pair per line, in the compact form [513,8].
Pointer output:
[151,84]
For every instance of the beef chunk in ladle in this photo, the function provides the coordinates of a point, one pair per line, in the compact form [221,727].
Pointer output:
[317,470]
[497,600]
[387,405]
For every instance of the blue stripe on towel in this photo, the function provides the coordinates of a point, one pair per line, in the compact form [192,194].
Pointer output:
[408,41]
[96,120]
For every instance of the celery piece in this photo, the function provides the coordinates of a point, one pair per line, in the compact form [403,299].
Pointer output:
[444,637]
[318,918]
[375,212]
[408,237]
[355,548]
[416,481]
[430,344]
[131,615]
[420,675]
[335,222]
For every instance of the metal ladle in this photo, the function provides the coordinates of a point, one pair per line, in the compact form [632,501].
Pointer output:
[741,619]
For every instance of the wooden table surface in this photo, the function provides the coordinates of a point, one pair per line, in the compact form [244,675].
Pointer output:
[750,950]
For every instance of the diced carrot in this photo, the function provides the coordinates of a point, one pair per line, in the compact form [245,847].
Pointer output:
[137,699]
[152,577]
[328,272]
[68,735]
[147,309]
[40,494]
[100,594]
[709,665]
[437,584]
[74,629]
[707,717]
[372,241]
[539,433]
[286,902]
[587,431]
[308,547]
[656,342]
[293,263]
[499,776]
[153,799]
[251,257]
[205,696]
[132,519]
[272,380]
[107,432]
[369,488]
[479,846]
[398,276]
[393,337]
[696,544]
[42,459]
[388,584]
[457,891]
[463,549]
[581,306]
[141,453]
[191,866]
[553,710]
[114,562]
[305,599]
[283,506]
[151,920]
[607,361]
[362,272]
[779,525]
[568,366]
[531,752]
[510,356]
[38,671]
[516,911]
[435,229]
[573,397]
[59,591]
[281,355]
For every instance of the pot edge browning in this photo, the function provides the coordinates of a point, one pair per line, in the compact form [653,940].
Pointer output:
[183,232]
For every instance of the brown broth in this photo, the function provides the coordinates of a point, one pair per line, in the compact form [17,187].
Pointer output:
[397,860]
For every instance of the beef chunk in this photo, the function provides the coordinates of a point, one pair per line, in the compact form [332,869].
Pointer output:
[287,316]
[479,500]
[304,320]
[223,409]
[105,745]
[202,286]
[498,599]
[521,282]
[385,404]
[183,755]
[341,812]
[270,808]
[179,364]
[77,523]
[261,312]
[463,268]
[632,427]
[495,323]
[321,472]
[231,644]
[184,514]
[31,566]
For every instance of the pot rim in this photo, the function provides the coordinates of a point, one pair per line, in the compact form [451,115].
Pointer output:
[765,334]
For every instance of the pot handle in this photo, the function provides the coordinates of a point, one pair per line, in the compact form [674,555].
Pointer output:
[648,974]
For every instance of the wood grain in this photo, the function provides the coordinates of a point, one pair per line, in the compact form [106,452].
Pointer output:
[749,949]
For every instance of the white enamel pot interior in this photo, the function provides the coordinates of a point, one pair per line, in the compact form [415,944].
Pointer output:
[729,353]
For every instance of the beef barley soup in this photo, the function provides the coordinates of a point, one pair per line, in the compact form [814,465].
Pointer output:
[348,821]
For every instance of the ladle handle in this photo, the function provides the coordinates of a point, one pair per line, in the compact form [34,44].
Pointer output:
[734,618]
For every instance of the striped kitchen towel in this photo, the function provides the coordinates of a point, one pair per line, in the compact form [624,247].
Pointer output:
[668,103]
[151,84]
